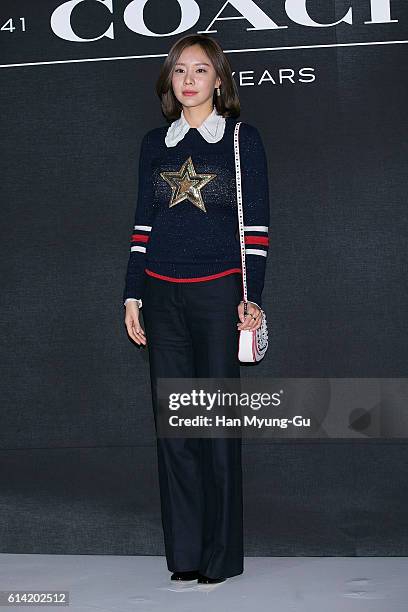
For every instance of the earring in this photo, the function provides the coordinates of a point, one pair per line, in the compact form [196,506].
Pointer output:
[218,91]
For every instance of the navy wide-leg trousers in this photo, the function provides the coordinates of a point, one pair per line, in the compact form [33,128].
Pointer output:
[191,331]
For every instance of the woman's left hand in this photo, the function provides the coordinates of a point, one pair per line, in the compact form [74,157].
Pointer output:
[253,319]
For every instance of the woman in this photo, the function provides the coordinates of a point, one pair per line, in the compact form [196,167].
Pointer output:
[185,271]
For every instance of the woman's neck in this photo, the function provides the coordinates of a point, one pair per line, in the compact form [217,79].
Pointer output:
[195,117]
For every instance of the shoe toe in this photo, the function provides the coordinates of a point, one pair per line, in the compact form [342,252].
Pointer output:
[207,580]
[192,575]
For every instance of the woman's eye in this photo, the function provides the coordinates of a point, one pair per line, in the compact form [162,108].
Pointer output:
[181,70]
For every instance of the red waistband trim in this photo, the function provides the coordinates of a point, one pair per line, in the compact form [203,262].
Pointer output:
[192,280]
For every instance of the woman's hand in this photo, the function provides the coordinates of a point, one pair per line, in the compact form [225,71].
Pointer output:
[249,322]
[134,329]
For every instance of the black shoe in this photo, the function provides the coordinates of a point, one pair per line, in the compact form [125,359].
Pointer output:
[206,580]
[192,575]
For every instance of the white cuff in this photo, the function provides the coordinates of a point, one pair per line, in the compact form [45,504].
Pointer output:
[139,302]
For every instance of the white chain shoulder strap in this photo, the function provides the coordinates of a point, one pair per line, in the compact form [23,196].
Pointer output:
[240,209]
[252,344]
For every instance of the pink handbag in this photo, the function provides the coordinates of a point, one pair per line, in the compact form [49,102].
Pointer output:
[252,343]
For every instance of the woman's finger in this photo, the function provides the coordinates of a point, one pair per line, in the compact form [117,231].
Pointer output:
[135,330]
[139,333]
[141,339]
[137,337]
[253,319]
[253,314]
[244,320]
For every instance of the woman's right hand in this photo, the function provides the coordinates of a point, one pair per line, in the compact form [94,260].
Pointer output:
[134,329]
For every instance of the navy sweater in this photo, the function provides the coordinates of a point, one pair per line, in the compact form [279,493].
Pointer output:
[197,238]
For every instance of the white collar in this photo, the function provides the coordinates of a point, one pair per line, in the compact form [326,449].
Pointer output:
[212,129]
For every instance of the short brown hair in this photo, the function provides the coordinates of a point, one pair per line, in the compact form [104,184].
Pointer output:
[227,104]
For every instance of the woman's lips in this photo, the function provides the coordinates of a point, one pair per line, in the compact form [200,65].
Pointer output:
[189,93]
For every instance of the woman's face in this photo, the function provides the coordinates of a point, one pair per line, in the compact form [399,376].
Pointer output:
[194,72]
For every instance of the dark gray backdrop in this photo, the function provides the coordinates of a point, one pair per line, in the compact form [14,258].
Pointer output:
[78,457]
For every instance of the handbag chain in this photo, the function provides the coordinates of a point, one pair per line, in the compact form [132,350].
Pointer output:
[240,212]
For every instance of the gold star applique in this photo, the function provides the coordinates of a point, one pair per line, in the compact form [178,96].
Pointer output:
[186,184]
